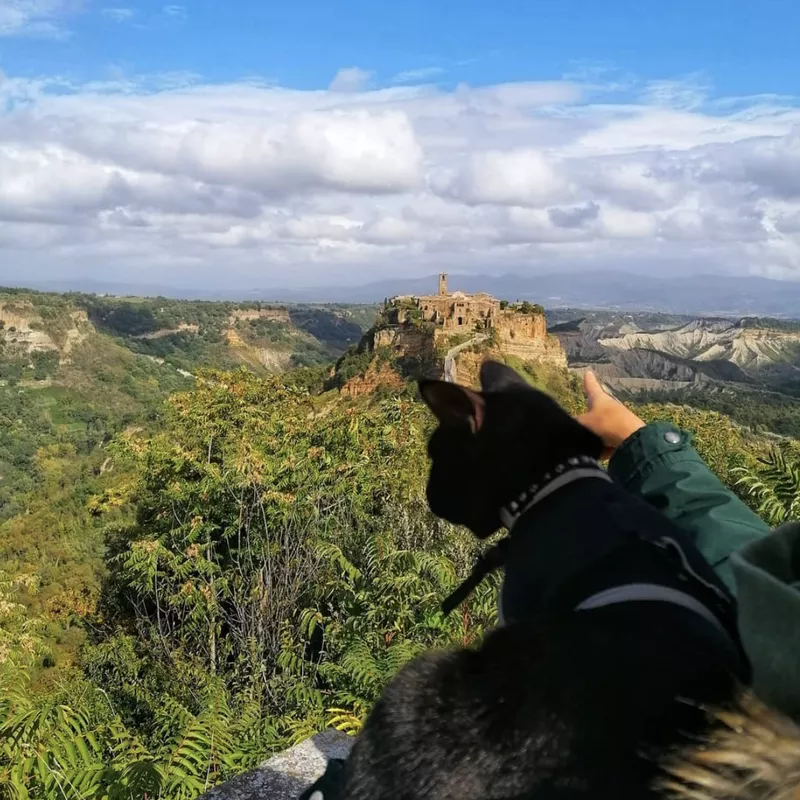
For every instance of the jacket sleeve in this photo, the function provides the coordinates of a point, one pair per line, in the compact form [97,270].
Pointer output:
[768,577]
[659,463]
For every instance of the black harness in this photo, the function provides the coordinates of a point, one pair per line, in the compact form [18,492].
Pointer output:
[495,557]
[705,596]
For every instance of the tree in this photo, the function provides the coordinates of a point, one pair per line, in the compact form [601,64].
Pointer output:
[526,307]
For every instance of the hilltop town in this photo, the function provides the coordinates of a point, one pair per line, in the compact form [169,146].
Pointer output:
[448,335]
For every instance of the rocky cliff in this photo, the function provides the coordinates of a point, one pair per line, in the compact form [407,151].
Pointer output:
[468,365]
[23,328]
[715,340]
[405,341]
[271,358]
[420,350]
[531,346]
[278,314]
[696,352]
[378,374]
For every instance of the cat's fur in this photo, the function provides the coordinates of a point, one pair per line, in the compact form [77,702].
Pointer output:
[558,703]
[751,753]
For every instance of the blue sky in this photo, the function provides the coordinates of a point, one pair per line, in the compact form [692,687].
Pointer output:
[745,47]
[257,144]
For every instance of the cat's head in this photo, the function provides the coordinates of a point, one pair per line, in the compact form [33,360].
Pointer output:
[491,445]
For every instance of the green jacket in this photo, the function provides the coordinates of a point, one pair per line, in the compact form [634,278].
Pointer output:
[762,568]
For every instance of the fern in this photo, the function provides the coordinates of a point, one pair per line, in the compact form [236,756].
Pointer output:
[346,721]
[50,750]
[775,487]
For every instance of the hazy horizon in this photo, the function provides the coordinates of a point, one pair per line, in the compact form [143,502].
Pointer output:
[700,295]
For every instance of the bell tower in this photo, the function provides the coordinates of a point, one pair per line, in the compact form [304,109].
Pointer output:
[443,284]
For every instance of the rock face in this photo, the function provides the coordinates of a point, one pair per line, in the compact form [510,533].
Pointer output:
[184,327]
[233,339]
[272,359]
[615,382]
[580,341]
[695,353]
[521,335]
[525,336]
[713,340]
[515,327]
[376,376]
[247,315]
[468,366]
[287,775]
[405,340]
[24,329]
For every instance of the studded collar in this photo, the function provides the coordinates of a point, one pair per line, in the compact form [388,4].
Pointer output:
[569,471]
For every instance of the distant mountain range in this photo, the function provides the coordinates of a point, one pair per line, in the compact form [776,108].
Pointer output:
[701,294]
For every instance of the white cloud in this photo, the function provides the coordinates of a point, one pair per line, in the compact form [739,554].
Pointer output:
[346,150]
[37,18]
[390,230]
[419,75]
[175,179]
[619,223]
[520,177]
[351,79]
[688,93]
[175,11]
[118,14]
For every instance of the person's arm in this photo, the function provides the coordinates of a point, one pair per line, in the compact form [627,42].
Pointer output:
[768,578]
[658,462]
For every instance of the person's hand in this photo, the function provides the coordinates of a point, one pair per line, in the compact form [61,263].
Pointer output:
[607,417]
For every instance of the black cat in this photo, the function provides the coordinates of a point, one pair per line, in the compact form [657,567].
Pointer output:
[616,630]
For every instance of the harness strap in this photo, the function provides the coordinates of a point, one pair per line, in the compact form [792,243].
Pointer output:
[631,592]
[488,562]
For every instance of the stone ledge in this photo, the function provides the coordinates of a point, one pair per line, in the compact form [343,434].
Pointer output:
[287,775]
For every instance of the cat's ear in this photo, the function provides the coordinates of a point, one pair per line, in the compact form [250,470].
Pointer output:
[497,377]
[453,404]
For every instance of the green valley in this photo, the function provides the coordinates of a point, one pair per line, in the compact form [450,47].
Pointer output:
[214,538]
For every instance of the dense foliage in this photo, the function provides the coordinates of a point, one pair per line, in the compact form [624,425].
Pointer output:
[101,390]
[761,411]
[189,584]
[281,563]
[526,307]
[130,317]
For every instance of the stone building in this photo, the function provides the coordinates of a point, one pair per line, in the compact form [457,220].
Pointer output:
[452,312]
[518,329]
